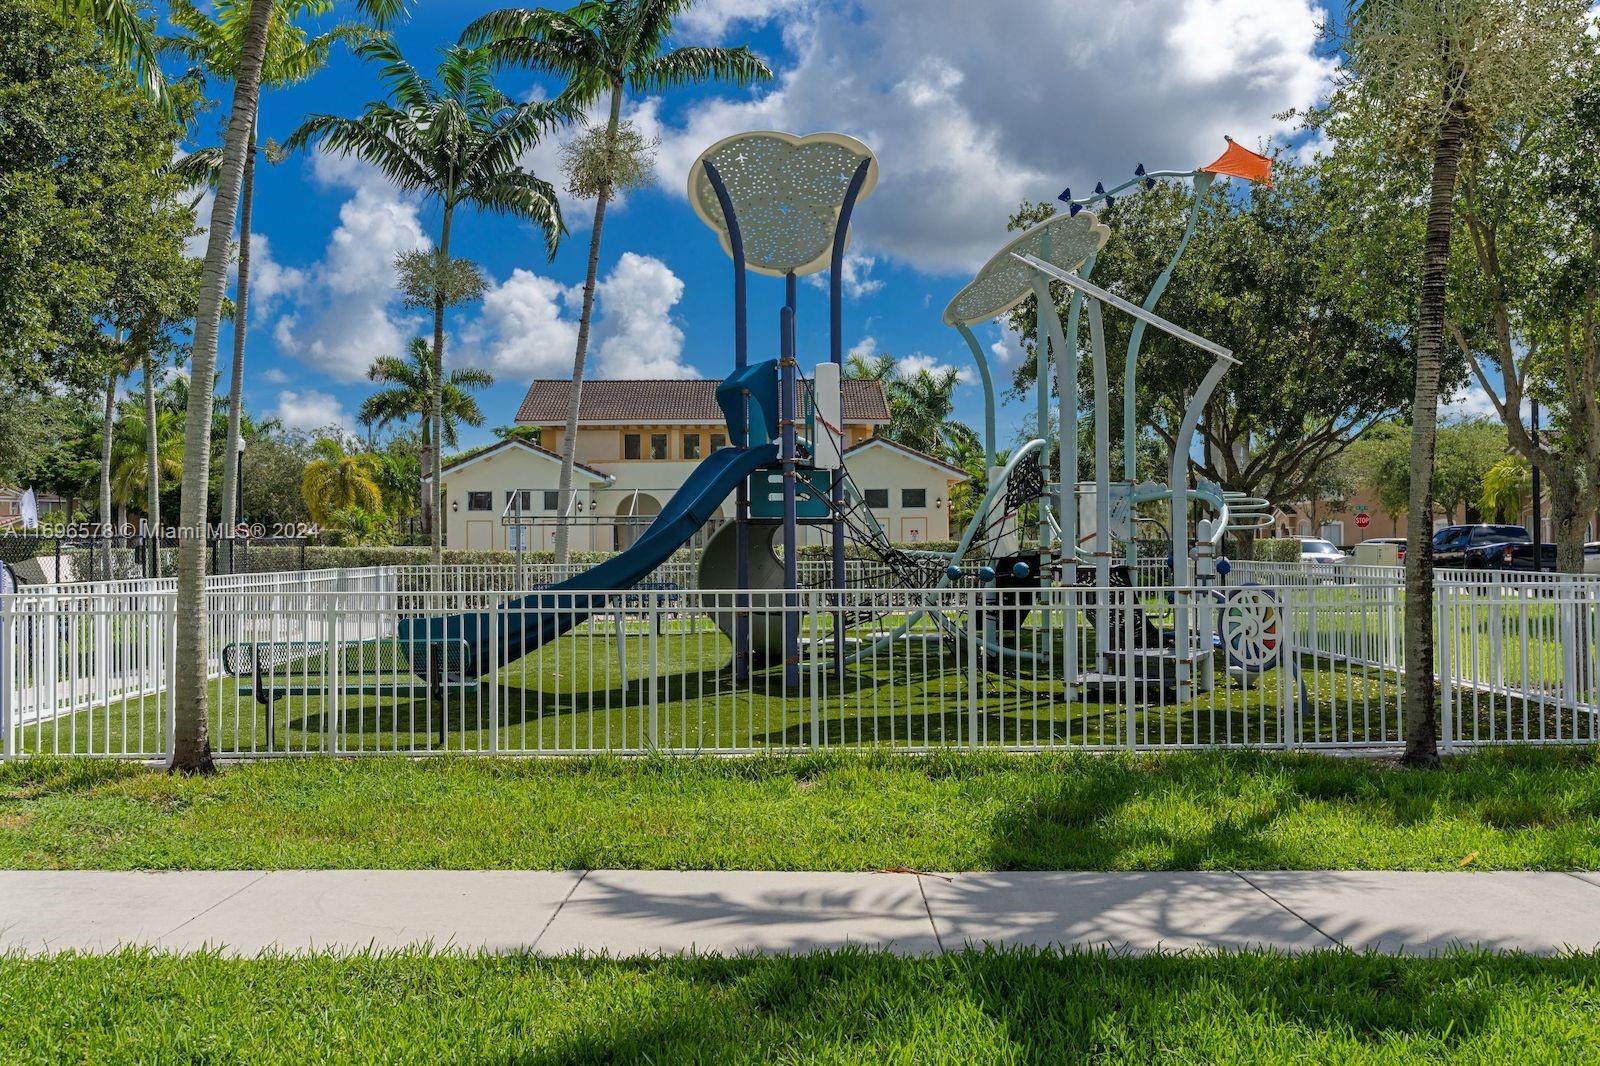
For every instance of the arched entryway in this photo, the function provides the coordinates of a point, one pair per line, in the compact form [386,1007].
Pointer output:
[634,515]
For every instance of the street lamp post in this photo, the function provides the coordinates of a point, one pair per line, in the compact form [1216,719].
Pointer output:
[238,508]
[1538,534]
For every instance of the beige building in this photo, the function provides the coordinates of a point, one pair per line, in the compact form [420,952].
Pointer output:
[637,443]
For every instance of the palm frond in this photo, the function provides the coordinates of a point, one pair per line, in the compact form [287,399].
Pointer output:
[406,85]
[694,64]
[532,199]
[131,39]
[381,136]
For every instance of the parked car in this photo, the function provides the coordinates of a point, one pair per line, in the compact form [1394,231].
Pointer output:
[1315,550]
[1520,557]
[1475,546]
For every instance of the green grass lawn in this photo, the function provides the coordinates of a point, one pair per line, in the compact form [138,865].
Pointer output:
[1497,809]
[846,1006]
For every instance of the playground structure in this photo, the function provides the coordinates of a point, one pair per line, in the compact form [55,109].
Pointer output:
[1032,632]
[781,205]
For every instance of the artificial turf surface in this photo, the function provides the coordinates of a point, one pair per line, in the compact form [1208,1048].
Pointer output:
[1496,809]
[845,1006]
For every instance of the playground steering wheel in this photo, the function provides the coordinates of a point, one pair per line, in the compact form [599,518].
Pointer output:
[1252,628]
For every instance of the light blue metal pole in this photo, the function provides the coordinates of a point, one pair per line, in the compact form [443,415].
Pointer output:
[788,382]
[836,354]
[1130,373]
[741,354]
[988,395]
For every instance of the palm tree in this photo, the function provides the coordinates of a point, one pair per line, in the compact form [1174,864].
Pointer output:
[215,42]
[191,741]
[1506,488]
[459,142]
[133,461]
[1440,75]
[921,405]
[337,479]
[604,47]
[410,393]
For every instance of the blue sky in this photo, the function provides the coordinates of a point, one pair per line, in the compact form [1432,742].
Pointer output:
[970,107]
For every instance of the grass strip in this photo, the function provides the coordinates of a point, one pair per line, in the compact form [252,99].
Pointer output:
[845,1006]
[1495,809]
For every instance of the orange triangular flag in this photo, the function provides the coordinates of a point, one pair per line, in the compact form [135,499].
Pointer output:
[1241,162]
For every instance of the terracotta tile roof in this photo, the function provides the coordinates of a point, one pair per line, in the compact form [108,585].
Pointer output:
[626,401]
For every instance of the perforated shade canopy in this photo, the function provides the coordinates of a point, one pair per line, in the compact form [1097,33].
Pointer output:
[787,192]
[1005,280]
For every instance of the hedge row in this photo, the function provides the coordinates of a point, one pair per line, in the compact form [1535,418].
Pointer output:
[1276,550]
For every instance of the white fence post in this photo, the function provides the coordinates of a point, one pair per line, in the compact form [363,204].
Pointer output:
[493,679]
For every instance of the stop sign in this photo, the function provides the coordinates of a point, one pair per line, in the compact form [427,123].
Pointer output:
[1363,520]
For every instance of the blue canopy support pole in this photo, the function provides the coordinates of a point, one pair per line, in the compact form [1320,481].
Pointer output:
[988,393]
[741,357]
[1130,372]
[841,231]
[789,384]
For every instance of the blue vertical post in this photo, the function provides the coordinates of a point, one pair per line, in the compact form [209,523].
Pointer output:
[788,401]
[741,356]
[836,355]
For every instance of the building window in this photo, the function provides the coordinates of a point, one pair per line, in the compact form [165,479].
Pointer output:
[524,505]
[480,501]
[878,499]
[658,445]
[630,446]
[552,499]
[718,442]
[691,445]
[913,497]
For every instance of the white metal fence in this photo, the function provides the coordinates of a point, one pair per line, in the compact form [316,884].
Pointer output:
[403,660]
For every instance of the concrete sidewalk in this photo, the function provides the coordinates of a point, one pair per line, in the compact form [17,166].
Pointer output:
[627,912]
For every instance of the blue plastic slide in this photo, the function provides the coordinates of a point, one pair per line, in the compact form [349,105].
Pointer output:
[532,620]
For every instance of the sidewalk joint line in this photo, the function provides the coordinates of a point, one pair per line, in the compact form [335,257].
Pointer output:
[1313,925]
[1579,877]
[196,917]
[926,906]
[556,913]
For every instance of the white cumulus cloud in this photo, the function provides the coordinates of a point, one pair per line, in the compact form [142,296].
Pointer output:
[311,410]
[915,363]
[529,324]
[637,337]
[525,328]
[973,108]
[348,312]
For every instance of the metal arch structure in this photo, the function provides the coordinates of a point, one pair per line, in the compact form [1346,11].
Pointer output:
[781,205]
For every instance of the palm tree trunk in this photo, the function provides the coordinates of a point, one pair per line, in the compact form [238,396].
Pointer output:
[241,320]
[1421,709]
[107,427]
[152,471]
[191,742]
[436,403]
[569,437]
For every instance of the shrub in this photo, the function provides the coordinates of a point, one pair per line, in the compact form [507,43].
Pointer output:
[1276,550]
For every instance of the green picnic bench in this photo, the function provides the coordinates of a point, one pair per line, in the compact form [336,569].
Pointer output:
[281,669]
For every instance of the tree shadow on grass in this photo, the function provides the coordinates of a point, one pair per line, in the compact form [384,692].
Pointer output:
[1052,1006]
